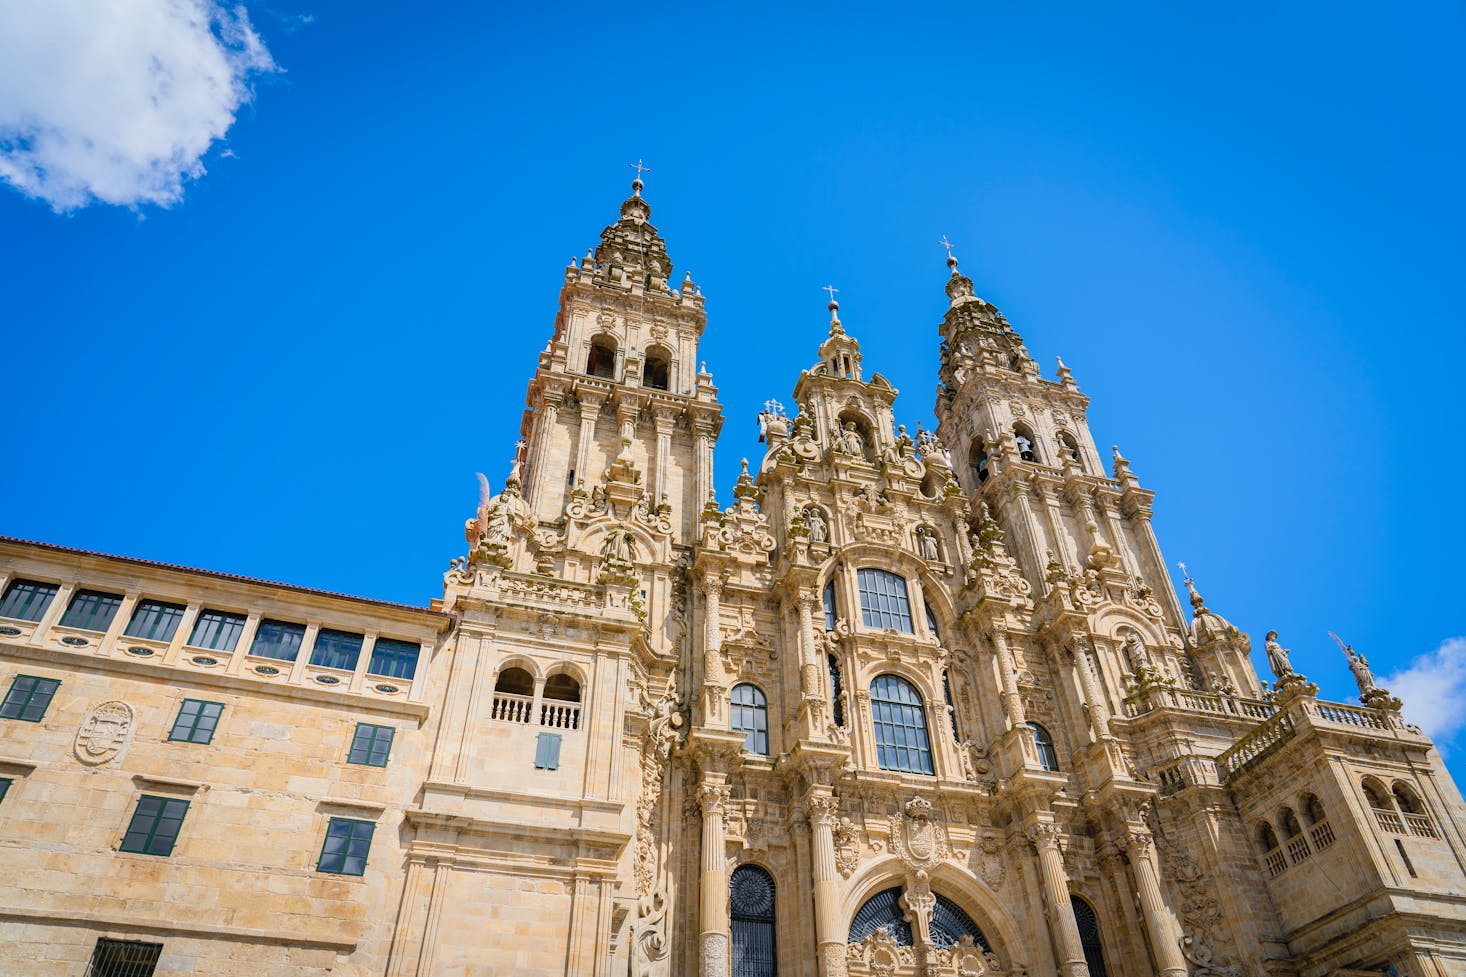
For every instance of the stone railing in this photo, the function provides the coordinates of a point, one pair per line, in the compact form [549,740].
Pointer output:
[1298,849]
[1322,835]
[1420,825]
[1171,697]
[1262,740]
[524,587]
[1170,780]
[560,715]
[1276,863]
[1336,712]
[512,708]
[1389,821]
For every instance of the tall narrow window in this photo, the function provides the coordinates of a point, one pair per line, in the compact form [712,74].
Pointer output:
[1069,446]
[154,620]
[1043,741]
[749,714]
[347,843]
[91,610]
[217,630]
[831,612]
[278,640]
[196,721]
[27,600]
[951,706]
[123,958]
[837,691]
[1089,937]
[547,751]
[28,698]
[751,912]
[155,825]
[1027,448]
[336,649]
[899,719]
[978,458]
[656,370]
[394,659]
[931,621]
[884,602]
[5,783]
[601,361]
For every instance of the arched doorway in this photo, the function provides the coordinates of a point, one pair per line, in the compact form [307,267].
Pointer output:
[1089,937]
[751,913]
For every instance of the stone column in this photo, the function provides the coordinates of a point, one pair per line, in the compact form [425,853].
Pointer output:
[1099,713]
[703,461]
[712,652]
[809,671]
[823,809]
[541,434]
[1008,679]
[590,412]
[713,904]
[1139,845]
[665,418]
[1062,927]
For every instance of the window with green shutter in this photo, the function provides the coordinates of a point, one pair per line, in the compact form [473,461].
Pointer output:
[394,659]
[547,752]
[28,698]
[27,600]
[154,620]
[336,649]
[217,631]
[347,843]
[371,745]
[278,640]
[155,825]
[91,610]
[196,721]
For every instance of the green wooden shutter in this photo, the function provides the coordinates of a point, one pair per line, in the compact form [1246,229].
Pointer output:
[547,752]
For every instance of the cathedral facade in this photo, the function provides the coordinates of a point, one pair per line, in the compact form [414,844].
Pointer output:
[913,704]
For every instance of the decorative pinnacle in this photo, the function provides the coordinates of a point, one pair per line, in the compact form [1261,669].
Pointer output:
[1197,604]
[640,168]
[834,308]
[951,258]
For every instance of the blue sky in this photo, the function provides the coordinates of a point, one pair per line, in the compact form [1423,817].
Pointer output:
[1243,232]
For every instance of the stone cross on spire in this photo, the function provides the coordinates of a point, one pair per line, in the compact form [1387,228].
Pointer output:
[640,168]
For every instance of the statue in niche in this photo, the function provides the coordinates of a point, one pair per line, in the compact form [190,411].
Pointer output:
[1277,656]
[819,530]
[619,546]
[1135,652]
[926,544]
[849,441]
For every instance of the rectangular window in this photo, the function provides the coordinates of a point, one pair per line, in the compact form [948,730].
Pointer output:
[278,640]
[28,698]
[395,659]
[336,649]
[346,847]
[884,602]
[371,745]
[124,958]
[196,721]
[547,752]
[154,620]
[27,600]
[217,631]
[155,825]
[91,610]
[5,783]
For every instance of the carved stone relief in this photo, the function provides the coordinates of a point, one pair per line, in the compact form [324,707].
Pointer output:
[105,733]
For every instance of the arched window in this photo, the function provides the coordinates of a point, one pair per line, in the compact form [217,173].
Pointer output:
[949,923]
[831,612]
[562,687]
[656,369]
[1377,797]
[951,707]
[513,696]
[978,458]
[884,602]
[601,362]
[1069,446]
[882,911]
[1313,810]
[515,681]
[1291,827]
[931,622]
[837,691]
[899,719]
[1267,838]
[560,707]
[751,911]
[1043,741]
[1027,447]
[1406,799]
[1089,937]
[749,714]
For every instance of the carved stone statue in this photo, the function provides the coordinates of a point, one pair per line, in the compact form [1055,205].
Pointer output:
[926,544]
[496,523]
[1359,665]
[819,530]
[849,441]
[619,546]
[1135,652]
[1277,656]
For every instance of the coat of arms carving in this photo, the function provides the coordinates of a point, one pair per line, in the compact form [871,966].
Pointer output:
[915,838]
[104,733]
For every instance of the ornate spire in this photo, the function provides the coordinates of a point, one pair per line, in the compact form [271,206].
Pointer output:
[1197,604]
[959,286]
[632,252]
[835,328]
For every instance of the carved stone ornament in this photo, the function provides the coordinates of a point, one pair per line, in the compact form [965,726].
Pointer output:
[847,848]
[989,863]
[650,949]
[880,953]
[105,732]
[915,838]
[714,955]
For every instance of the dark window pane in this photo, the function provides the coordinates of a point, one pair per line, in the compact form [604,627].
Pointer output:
[882,910]
[899,722]
[278,640]
[751,912]
[28,698]
[155,825]
[395,659]
[5,783]
[336,649]
[749,714]
[346,847]
[1048,757]
[217,630]
[831,611]
[196,721]
[370,745]
[153,620]
[91,610]
[123,958]
[884,602]
[27,600]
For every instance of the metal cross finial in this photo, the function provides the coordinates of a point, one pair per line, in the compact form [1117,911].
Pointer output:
[832,290]
[639,168]
[946,244]
[519,447]
[1184,572]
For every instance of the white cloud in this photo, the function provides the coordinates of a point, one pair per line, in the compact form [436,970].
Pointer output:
[1433,687]
[118,100]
